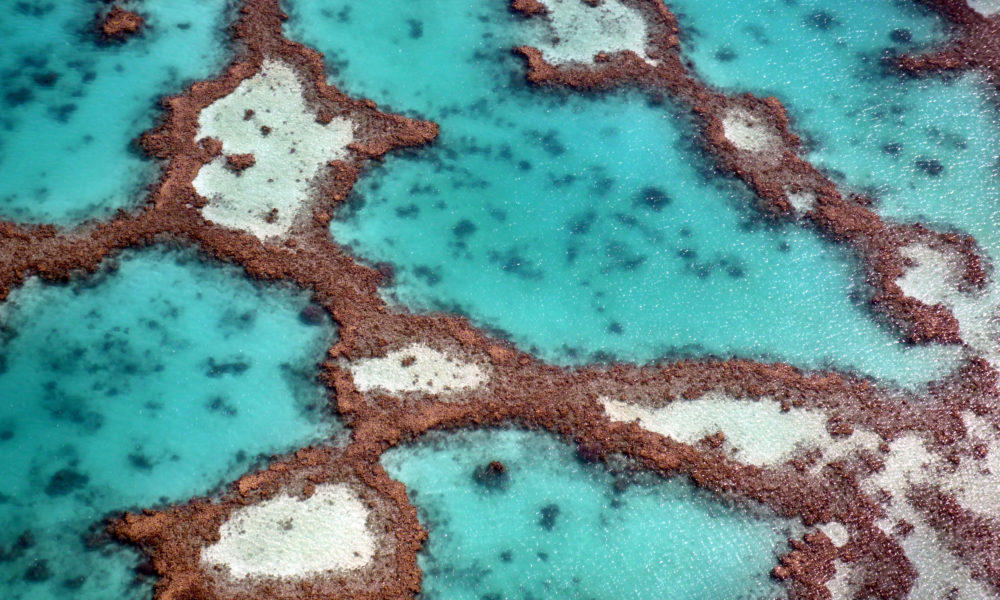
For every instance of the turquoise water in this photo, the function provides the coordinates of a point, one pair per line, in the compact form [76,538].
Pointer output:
[926,148]
[153,381]
[553,527]
[69,106]
[585,228]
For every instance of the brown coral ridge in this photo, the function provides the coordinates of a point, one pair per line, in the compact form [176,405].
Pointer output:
[119,24]
[777,173]
[976,46]
[174,538]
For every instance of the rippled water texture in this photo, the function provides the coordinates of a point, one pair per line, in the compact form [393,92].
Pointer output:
[584,227]
[70,106]
[926,148]
[150,382]
[552,527]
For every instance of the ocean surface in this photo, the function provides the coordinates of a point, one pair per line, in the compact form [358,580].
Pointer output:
[70,106]
[159,378]
[583,227]
[553,527]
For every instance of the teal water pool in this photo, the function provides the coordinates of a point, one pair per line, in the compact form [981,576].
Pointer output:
[583,227]
[71,106]
[926,148]
[154,380]
[553,527]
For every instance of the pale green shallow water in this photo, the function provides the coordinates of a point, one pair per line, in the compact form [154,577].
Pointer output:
[70,107]
[557,528]
[153,382]
[585,228]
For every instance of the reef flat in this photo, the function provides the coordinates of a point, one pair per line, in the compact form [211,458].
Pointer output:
[891,487]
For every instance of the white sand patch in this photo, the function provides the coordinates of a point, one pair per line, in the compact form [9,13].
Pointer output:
[757,432]
[935,279]
[290,537]
[976,482]
[748,132]
[288,158]
[840,586]
[939,572]
[417,368]
[987,8]
[802,202]
[574,31]
[836,532]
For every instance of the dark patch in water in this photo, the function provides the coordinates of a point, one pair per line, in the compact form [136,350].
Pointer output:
[62,112]
[416,28]
[549,141]
[65,481]
[492,476]
[45,78]
[512,262]
[822,20]
[218,404]
[652,198]
[549,514]
[622,257]
[184,26]
[506,556]
[410,211]
[581,224]
[430,275]
[615,328]
[725,54]
[140,462]
[901,36]
[543,556]
[74,583]
[38,572]
[215,370]
[6,435]
[312,314]
[18,97]
[34,9]
[892,148]
[463,229]
[784,247]
[929,166]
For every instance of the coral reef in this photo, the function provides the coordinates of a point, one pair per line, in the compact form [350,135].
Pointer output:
[493,384]
[119,24]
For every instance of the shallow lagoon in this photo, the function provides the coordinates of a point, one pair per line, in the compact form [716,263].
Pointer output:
[926,148]
[554,527]
[583,227]
[154,380]
[71,106]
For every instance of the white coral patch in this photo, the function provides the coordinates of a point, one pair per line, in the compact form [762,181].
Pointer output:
[289,152]
[417,368]
[294,538]
[574,31]
[749,133]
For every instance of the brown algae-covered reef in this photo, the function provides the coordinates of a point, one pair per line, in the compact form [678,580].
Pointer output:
[895,488]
